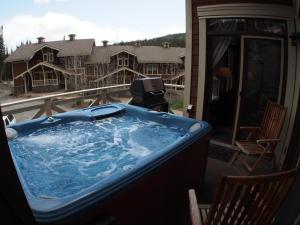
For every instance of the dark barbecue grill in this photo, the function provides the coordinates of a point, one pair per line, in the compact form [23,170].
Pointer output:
[149,93]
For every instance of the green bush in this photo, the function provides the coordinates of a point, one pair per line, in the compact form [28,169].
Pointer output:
[79,102]
[177,104]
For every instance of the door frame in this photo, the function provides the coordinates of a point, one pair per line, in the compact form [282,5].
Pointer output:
[242,56]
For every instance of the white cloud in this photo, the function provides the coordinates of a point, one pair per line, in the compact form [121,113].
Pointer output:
[53,26]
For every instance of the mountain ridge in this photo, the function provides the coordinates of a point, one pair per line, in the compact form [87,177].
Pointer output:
[175,40]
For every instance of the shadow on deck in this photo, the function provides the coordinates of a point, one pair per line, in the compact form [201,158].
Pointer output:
[218,165]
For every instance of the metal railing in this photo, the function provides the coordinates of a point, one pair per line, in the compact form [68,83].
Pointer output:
[52,103]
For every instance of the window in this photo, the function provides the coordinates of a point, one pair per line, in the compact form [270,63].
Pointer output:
[152,69]
[227,25]
[270,26]
[78,62]
[45,57]
[155,69]
[50,56]
[125,62]
[237,26]
[50,75]
[71,62]
[120,62]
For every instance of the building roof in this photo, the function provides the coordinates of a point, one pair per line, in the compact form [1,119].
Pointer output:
[145,54]
[65,48]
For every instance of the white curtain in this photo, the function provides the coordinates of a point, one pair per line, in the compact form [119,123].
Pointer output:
[222,43]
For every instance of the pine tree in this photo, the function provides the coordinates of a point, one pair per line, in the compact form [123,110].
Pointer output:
[2,53]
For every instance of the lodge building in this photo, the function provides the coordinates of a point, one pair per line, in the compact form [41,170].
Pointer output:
[79,63]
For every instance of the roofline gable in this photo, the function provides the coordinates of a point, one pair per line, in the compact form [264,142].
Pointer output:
[123,51]
[44,46]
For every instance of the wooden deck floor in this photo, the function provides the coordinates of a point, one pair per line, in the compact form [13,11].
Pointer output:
[215,169]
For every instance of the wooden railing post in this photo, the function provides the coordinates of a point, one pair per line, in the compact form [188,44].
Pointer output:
[48,107]
[104,96]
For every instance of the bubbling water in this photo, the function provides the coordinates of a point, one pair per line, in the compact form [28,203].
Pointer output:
[63,159]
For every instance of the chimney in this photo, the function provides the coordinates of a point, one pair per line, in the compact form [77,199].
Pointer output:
[166,45]
[41,40]
[72,37]
[137,44]
[105,43]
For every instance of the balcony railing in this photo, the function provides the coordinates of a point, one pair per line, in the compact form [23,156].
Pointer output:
[54,103]
[51,82]
[38,83]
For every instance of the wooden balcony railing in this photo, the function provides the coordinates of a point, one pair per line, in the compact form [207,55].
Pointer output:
[53,103]
[38,83]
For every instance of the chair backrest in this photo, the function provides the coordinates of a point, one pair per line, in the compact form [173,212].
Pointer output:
[273,120]
[250,200]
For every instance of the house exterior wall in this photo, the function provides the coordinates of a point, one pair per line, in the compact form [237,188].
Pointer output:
[38,56]
[194,30]
[18,68]
[166,70]
[196,60]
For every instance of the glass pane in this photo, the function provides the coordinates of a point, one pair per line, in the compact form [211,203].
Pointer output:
[270,26]
[149,69]
[222,84]
[261,78]
[226,25]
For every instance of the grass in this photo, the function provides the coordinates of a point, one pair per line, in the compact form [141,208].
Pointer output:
[177,104]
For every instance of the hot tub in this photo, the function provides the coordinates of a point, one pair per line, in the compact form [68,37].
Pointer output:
[111,163]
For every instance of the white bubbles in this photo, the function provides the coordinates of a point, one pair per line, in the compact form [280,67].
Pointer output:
[66,158]
[195,127]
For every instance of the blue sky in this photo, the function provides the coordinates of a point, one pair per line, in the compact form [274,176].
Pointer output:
[114,20]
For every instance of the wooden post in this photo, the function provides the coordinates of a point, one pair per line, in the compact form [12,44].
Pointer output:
[48,106]
[76,82]
[44,75]
[104,96]
[30,74]
[25,85]
[66,82]
[56,77]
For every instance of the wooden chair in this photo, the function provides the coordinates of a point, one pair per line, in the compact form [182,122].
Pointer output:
[244,200]
[261,141]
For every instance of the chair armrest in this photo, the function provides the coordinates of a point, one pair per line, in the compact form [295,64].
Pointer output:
[250,128]
[194,209]
[266,141]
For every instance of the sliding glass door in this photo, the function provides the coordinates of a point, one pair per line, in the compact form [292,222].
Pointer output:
[261,78]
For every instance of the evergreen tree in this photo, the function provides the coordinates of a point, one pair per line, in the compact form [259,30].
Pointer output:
[5,68]
[2,53]
[175,40]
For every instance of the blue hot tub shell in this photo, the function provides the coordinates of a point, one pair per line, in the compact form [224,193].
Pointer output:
[102,198]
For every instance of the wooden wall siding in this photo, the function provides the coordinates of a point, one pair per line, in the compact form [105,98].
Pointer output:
[19,82]
[38,56]
[19,68]
[195,38]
